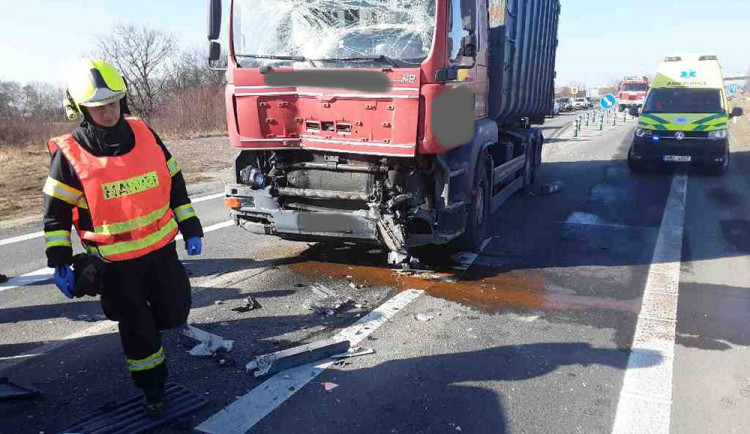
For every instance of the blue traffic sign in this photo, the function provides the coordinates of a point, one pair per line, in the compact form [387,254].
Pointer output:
[733,89]
[608,101]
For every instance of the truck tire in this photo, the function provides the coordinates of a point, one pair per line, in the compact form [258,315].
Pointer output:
[478,210]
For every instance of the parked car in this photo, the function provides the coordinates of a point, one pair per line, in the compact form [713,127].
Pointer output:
[566,104]
[590,102]
[556,108]
[580,104]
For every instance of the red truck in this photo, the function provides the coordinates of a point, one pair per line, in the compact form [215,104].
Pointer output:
[633,92]
[401,123]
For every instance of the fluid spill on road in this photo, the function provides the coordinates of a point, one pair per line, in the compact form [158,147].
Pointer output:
[518,289]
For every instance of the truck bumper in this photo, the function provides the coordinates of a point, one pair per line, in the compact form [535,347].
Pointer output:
[259,212]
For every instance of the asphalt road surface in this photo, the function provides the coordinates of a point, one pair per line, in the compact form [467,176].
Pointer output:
[619,304]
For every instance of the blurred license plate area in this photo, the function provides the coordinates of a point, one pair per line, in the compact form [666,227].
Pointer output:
[678,158]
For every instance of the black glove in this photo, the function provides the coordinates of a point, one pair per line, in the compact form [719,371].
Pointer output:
[89,271]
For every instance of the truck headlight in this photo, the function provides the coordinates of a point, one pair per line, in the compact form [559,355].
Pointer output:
[717,134]
[640,132]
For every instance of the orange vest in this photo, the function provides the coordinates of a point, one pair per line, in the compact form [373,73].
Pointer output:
[128,196]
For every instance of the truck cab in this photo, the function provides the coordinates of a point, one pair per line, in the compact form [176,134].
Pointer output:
[685,119]
[633,92]
[401,123]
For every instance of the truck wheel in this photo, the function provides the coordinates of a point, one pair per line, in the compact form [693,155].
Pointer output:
[478,210]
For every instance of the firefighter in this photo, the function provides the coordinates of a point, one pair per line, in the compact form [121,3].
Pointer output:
[117,184]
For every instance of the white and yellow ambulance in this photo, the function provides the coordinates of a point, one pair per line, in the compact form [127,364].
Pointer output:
[685,119]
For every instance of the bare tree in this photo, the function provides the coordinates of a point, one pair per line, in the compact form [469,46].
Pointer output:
[141,54]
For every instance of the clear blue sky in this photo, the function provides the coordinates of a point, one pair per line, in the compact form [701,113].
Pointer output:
[599,39]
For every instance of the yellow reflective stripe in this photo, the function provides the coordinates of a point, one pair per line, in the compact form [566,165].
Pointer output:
[149,362]
[83,204]
[57,239]
[58,190]
[184,212]
[131,246]
[131,225]
[174,169]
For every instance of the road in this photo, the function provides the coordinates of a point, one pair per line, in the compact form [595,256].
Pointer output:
[619,301]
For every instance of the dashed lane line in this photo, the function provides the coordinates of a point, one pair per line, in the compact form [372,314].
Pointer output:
[40,234]
[646,397]
[45,274]
[248,410]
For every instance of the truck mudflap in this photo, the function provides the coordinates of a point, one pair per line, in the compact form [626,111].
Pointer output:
[258,212]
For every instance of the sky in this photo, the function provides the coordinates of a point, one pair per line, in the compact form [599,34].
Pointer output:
[600,40]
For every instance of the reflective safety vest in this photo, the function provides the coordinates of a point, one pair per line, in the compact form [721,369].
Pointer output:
[128,196]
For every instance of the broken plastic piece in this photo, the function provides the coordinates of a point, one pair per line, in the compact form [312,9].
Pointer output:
[209,342]
[11,391]
[129,417]
[329,386]
[250,304]
[282,360]
[424,317]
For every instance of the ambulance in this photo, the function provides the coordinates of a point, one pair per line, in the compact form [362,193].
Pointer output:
[685,119]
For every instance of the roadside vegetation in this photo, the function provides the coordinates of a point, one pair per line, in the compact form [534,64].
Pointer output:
[169,86]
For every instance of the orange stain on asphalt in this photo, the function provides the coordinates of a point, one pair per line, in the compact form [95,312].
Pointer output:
[526,289]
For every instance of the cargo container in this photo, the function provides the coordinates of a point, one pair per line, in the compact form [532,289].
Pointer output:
[403,123]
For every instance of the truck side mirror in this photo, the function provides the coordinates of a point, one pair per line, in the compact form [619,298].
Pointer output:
[737,112]
[214,19]
[634,112]
[469,44]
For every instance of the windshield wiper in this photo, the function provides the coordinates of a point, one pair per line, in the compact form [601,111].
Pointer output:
[270,56]
[381,58]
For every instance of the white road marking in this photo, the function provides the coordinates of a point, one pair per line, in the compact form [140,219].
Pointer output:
[45,274]
[35,235]
[243,414]
[207,198]
[20,238]
[646,397]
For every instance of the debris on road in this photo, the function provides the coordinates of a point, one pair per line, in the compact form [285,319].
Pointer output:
[553,187]
[224,358]
[3,278]
[250,304]
[91,318]
[354,352]
[209,342]
[282,360]
[424,317]
[12,391]
[329,386]
[322,291]
[218,302]
[326,302]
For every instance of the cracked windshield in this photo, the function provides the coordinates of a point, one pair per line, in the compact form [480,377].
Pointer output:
[374,216]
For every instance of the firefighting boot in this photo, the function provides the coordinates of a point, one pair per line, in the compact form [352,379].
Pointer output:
[155,404]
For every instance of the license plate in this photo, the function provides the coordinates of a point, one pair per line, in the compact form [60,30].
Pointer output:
[678,158]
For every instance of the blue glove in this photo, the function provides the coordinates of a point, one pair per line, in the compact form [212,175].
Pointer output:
[194,246]
[65,279]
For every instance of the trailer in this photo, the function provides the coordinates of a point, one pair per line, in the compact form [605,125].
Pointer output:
[401,123]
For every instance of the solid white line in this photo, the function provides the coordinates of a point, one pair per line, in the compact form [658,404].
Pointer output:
[243,414]
[646,396]
[20,238]
[207,198]
[35,235]
[45,274]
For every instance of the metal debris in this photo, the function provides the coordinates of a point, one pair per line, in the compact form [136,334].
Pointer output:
[354,352]
[250,304]
[424,317]
[209,342]
[322,291]
[553,187]
[282,360]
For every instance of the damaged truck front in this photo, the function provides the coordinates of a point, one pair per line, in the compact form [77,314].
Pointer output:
[402,123]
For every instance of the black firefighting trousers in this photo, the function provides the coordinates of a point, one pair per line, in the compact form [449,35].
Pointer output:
[147,296]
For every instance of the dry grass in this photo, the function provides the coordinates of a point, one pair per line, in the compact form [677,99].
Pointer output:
[24,170]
